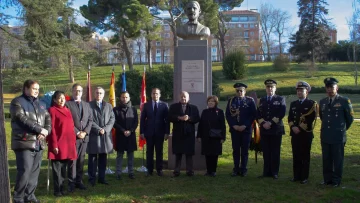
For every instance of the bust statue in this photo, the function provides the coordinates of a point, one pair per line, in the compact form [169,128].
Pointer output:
[193,30]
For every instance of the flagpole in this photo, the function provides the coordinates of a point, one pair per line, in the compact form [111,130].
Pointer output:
[143,168]
[108,170]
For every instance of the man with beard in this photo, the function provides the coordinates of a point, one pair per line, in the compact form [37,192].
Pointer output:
[271,111]
[302,114]
[82,116]
[336,114]
[184,116]
[193,30]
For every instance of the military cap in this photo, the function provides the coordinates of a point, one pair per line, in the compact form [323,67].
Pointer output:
[270,82]
[330,81]
[239,84]
[303,85]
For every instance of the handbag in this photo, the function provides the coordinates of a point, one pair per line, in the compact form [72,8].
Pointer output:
[214,133]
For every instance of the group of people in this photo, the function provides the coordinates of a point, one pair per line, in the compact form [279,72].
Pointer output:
[74,128]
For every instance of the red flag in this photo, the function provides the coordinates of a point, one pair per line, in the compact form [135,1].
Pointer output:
[112,101]
[88,88]
[142,142]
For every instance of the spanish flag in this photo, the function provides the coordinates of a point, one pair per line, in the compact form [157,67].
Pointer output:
[142,142]
[112,101]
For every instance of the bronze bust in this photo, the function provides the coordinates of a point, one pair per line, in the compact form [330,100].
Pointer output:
[193,30]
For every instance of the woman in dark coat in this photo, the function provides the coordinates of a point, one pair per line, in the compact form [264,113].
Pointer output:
[126,122]
[211,147]
[61,141]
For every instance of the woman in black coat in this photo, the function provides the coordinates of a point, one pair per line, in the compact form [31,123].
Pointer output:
[126,122]
[211,147]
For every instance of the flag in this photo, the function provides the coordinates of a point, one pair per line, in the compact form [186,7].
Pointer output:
[142,142]
[88,88]
[123,77]
[112,101]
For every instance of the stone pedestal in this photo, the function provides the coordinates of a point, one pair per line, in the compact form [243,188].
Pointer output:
[192,73]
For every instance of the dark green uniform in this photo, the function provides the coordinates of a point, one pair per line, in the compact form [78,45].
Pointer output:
[336,118]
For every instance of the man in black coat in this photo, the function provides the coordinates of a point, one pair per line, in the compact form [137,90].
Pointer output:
[271,111]
[154,127]
[82,116]
[302,114]
[30,124]
[184,116]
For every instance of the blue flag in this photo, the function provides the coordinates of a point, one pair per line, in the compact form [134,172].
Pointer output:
[123,82]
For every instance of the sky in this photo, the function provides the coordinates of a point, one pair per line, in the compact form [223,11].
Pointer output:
[339,11]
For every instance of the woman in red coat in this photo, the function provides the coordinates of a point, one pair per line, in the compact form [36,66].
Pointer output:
[61,141]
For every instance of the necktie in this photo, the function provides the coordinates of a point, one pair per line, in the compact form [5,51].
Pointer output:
[300,101]
[269,99]
[330,102]
[155,108]
[184,108]
[80,107]
[99,104]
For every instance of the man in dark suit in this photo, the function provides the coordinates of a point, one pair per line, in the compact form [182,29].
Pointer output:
[271,111]
[336,114]
[82,116]
[100,141]
[302,114]
[154,127]
[184,116]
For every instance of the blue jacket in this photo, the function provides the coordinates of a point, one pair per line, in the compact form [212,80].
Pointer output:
[154,125]
[273,111]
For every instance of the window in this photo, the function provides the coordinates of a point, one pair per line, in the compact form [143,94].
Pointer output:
[252,18]
[167,35]
[239,25]
[252,25]
[158,59]
[166,27]
[252,33]
[214,42]
[234,19]
[246,25]
[158,52]
[158,43]
[214,58]
[246,34]
[213,50]
[252,49]
[243,19]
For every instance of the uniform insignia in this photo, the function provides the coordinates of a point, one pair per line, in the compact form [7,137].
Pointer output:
[275,119]
[349,102]
[337,105]
[293,108]
[276,103]
[306,108]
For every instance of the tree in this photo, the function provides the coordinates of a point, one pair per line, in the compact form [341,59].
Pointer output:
[311,40]
[354,28]
[125,18]
[268,24]
[282,20]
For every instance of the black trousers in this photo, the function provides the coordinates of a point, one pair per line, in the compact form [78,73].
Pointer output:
[189,163]
[157,143]
[59,174]
[240,145]
[333,160]
[97,161]
[28,163]
[271,145]
[76,167]
[211,163]
[301,147]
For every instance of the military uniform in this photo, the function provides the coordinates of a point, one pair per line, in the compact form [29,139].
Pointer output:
[271,109]
[302,114]
[240,111]
[336,116]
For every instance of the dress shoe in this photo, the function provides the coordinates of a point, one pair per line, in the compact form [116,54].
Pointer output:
[92,182]
[190,173]
[32,201]
[71,188]
[149,174]
[63,193]
[160,173]
[336,184]
[294,180]
[326,183]
[103,182]
[243,174]
[304,181]
[58,194]
[275,177]
[131,176]
[80,186]
[261,176]
[213,174]
[233,174]
[175,174]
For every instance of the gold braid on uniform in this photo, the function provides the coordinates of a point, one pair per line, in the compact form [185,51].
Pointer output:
[302,118]
[234,111]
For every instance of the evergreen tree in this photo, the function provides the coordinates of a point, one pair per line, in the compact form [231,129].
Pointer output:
[311,41]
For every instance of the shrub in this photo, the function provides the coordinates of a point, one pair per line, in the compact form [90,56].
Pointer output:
[234,65]
[216,89]
[281,63]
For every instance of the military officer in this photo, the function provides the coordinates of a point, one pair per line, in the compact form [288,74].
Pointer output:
[302,117]
[240,114]
[270,112]
[336,114]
